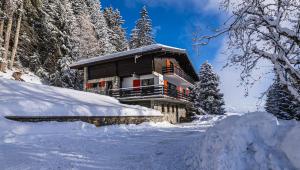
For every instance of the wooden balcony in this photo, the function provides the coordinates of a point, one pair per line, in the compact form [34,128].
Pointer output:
[157,91]
[177,71]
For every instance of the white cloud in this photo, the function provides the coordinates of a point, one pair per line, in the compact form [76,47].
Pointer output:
[195,5]
[230,80]
[155,30]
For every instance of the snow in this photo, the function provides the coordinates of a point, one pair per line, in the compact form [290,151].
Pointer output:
[27,76]
[127,53]
[248,141]
[27,99]
[240,141]
[83,146]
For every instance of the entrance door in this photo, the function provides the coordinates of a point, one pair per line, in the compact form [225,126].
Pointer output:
[177,115]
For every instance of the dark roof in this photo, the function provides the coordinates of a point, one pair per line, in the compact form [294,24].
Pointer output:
[130,53]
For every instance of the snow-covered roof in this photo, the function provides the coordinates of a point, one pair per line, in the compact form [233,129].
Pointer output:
[145,49]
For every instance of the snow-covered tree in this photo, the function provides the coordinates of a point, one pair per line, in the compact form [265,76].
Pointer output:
[134,38]
[98,20]
[281,103]
[142,34]
[263,30]
[117,33]
[206,94]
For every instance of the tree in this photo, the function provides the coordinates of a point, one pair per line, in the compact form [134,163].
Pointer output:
[117,33]
[206,94]
[142,33]
[101,28]
[281,103]
[10,8]
[134,38]
[261,30]
[2,17]
[16,41]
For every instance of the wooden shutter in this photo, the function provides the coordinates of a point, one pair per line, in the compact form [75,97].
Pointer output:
[165,86]
[136,84]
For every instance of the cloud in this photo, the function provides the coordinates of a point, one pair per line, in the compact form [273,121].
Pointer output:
[155,30]
[194,5]
[234,94]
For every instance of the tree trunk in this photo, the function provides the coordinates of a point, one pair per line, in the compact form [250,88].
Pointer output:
[7,38]
[14,50]
[1,30]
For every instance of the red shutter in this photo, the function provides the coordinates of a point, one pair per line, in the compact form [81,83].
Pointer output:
[102,84]
[88,85]
[136,84]
[187,92]
[165,86]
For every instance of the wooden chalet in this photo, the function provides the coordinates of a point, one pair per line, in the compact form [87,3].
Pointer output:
[155,76]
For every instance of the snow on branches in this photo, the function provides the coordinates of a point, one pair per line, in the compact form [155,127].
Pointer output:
[264,30]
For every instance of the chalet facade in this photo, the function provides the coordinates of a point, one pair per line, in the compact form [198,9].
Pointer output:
[154,76]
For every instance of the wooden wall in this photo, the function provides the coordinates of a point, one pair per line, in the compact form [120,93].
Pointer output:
[122,68]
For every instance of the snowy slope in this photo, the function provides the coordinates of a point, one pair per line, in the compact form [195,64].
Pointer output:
[26,99]
[27,77]
[249,141]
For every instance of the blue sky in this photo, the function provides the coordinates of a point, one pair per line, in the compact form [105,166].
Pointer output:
[174,23]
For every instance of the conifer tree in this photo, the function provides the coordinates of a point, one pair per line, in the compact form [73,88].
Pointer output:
[117,33]
[100,26]
[281,103]
[142,33]
[206,94]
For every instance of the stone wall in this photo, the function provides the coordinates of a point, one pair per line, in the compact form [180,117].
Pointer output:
[170,114]
[96,120]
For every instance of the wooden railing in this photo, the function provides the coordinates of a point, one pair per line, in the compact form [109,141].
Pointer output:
[178,71]
[148,91]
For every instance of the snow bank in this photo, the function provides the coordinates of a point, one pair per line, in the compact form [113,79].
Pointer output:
[27,77]
[26,99]
[251,141]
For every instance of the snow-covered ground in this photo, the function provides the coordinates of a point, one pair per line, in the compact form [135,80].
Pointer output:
[249,141]
[236,142]
[28,99]
[27,76]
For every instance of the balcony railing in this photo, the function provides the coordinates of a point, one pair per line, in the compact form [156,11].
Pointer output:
[148,91]
[178,71]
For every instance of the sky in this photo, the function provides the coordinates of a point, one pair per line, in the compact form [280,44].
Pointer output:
[174,24]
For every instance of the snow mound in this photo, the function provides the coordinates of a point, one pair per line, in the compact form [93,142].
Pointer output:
[251,141]
[26,99]
[27,76]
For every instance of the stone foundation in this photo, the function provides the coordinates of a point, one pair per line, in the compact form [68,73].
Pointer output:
[96,120]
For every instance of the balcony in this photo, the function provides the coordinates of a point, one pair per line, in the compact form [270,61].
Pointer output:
[148,91]
[177,71]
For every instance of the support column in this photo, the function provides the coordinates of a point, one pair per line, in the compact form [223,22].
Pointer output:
[85,77]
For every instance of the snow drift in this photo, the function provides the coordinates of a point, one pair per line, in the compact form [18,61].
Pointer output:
[26,99]
[251,141]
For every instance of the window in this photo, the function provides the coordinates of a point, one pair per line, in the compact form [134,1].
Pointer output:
[168,108]
[163,108]
[95,85]
[148,82]
[173,110]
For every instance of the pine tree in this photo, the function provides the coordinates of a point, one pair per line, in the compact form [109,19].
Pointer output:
[117,33]
[281,103]
[142,33]
[101,28]
[134,39]
[206,94]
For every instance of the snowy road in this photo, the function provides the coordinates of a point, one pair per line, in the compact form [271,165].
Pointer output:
[81,146]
